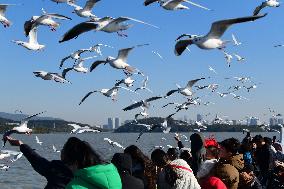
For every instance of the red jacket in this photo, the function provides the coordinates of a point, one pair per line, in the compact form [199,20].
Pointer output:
[212,183]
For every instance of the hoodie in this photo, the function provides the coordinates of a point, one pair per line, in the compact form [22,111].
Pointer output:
[103,176]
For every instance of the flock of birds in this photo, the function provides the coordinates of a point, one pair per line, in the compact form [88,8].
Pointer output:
[212,40]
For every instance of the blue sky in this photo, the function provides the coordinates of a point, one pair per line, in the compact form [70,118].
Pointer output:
[21,90]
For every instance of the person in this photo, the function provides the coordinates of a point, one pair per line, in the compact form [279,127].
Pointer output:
[142,167]
[179,175]
[229,163]
[197,151]
[92,172]
[173,153]
[123,163]
[58,173]
[248,180]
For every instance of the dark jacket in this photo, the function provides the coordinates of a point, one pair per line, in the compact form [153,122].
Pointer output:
[123,163]
[197,150]
[56,173]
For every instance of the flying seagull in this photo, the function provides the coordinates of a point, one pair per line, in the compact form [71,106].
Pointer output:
[63,1]
[173,4]
[113,143]
[75,56]
[239,58]
[228,58]
[267,3]
[212,39]
[106,92]
[212,69]
[86,11]
[46,19]
[37,141]
[32,44]
[55,149]
[52,76]
[3,19]
[77,129]
[106,24]
[120,62]
[178,106]
[21,129]
[187,90]
[236,42]
[143,103]
[144,85]
[127,81]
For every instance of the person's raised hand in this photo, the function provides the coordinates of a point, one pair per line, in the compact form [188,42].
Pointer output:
[14,142]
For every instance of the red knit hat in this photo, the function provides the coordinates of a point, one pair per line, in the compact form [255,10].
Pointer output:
[211,141]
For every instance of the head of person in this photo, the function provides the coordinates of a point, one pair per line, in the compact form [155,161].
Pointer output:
[229,148]
[172,153]
[123,162]
[160,158]
[186,155]
[79,154]
[246,147]
[267,140]
[258,140]
[212,152]
[136,154]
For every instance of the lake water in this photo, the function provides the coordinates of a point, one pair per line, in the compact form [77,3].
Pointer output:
[22,176]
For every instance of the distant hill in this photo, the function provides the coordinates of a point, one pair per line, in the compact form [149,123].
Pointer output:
[19,117]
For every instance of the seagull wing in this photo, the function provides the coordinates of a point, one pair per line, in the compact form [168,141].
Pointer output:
[33,36]
[153,98]
[29,117]
[123,53]
[133,106]
[192,82]
[122,19]
[181,45]
[64,72]
[168,104]
[86,96]
[218,28]
[63,60]
[171,92]
[90,4]
[58,16]
[96,63]
[197,5]
[148,2]
[28,26]
[78,30]
[258,8]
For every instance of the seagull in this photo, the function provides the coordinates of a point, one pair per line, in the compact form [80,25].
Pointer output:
[37,141]
[251,87]
[158,54]
[86,11]
[46,19]
[228,58]
[52,76]
[212,69]
[127,81]
[278,45]
[239,58]
[113,143]
[222,94]
[143,113]
[144,85]
[187,90]
[97,48]
[21,129]
[143,103]
[106,24]
[236,42]
[236,88]
[75,55]
[4,167]
[208,103]
[212,39]
[243,79]
[3,19]
[213,87]
[77,129]
[120,62]
[106,92]
[79,67]
[174,4]
[183,106]
[267,3]
[55,150]
[238,97]
[32,44]
[199,130]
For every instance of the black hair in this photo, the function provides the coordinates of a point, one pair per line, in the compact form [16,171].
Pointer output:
[170,175]
[80,153]
[172,153]
[159,157]
[186,156]
[267,140]
[231,145]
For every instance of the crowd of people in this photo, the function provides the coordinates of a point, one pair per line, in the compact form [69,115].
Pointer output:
[254,163]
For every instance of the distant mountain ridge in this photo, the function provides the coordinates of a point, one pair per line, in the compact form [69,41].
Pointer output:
[19,117]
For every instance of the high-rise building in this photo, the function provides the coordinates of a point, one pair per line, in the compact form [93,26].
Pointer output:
[110,123]
[280,121]
[117,122]
[199,117]
[273,121]
[253,121]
